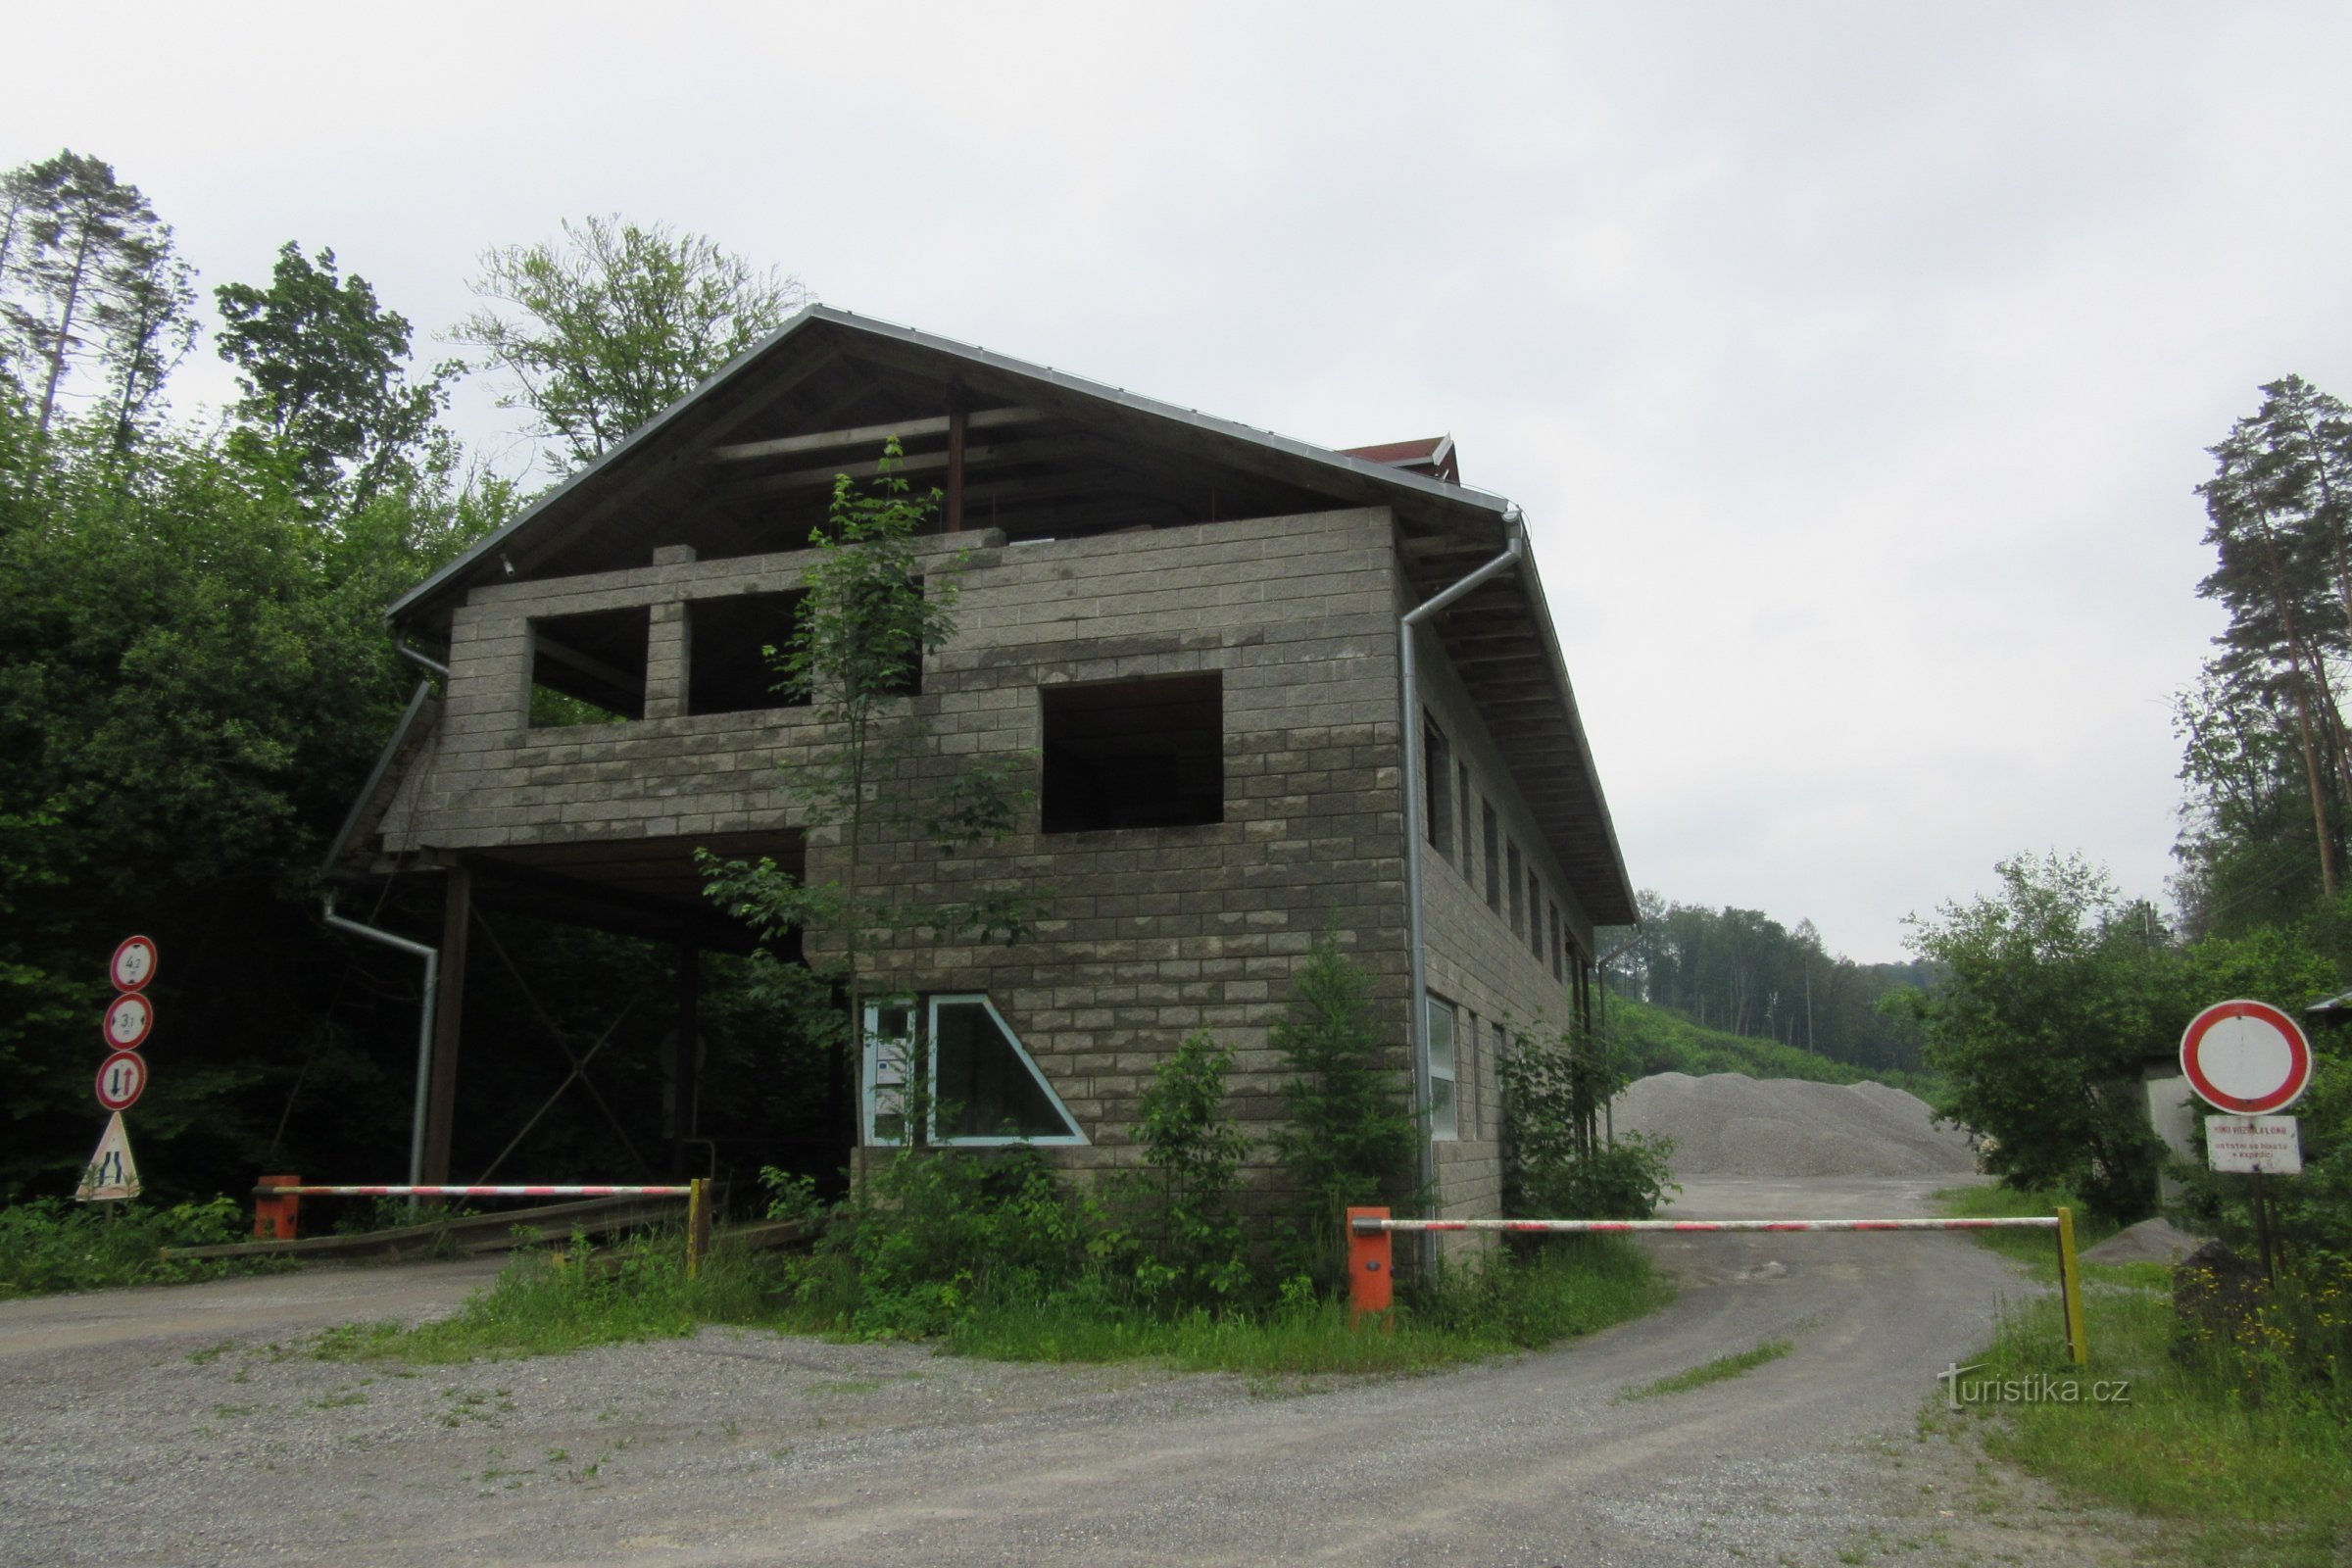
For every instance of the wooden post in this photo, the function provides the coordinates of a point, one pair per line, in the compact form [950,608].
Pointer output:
[449,1013]
[698,1225]
[955,497]
[684,1082]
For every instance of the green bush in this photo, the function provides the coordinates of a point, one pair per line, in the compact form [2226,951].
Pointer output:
[1179,1246]
[51,1244]
[1351,1136]
[1556,1166]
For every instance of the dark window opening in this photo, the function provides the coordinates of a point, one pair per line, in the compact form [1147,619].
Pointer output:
[1491,837]
[729,669]
[1436,783]
[1535,912]
[1515,886]
[1134,753]
[589,668]
[1559,968]
[1461,795]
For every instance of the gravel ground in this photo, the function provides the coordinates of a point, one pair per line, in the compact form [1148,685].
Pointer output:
[191,1427]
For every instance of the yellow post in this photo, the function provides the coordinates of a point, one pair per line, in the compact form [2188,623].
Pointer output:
[2070,1290]
[698,1224]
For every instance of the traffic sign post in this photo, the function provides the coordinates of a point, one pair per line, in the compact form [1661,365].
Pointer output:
[2248,1060]
[129,1019]
[111,1175]
[133,964]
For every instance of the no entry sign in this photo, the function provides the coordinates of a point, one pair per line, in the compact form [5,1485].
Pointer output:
[2246,1058]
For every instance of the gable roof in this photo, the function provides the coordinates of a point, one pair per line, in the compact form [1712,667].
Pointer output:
[745,463]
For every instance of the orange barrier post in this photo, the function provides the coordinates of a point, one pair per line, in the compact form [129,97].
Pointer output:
[273,1215]
[1371,1267]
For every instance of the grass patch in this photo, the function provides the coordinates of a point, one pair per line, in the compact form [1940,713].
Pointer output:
[542,1305]
[2253,1467]
[2036,1250]
[49,1245]
[1721,1369]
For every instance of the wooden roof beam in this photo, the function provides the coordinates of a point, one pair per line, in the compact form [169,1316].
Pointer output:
[869,434]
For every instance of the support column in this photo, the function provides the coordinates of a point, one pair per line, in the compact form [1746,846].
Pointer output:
[954,497]
[449,1013]
[669,646]
[684,1066]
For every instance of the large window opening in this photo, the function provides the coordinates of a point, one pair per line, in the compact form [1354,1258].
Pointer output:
[588,668]
[1515,885]
[1436,783]
[1534,913]
[1489,841]
[729,665]
[985,1089]
[1134,753]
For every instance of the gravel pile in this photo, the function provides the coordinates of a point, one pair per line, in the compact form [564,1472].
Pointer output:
[2151,1241]
[1729,1124]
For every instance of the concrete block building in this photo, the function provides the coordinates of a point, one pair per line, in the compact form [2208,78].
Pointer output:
[1243,675]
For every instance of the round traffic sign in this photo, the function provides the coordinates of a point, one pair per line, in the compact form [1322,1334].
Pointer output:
[122,1079]
[133,964]
[2246,1058]
[129,1018]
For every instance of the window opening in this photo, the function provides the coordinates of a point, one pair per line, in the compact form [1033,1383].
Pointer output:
[1134,753]
[985,1088]
[1461,795]
[1534,913]
[1445,1121]
[889,1053]
[1437,782]
[1490,837]
[1515,887]
[588,668]
[1467,1073]
[728,669]
[1559,970]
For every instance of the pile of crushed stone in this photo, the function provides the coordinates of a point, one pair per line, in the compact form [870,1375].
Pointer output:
[1729,1124]
[2151,1241]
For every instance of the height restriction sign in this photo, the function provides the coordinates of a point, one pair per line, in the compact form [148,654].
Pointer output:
[2246,1058]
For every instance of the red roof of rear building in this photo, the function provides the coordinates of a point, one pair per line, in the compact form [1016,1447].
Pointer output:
[1434,455]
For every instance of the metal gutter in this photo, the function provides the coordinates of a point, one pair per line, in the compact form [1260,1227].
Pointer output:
[425,1023]
[1409,684]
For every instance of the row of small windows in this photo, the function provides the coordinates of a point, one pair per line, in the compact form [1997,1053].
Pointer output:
[1514,889]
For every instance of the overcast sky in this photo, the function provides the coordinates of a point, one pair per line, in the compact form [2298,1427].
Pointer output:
[1853,362]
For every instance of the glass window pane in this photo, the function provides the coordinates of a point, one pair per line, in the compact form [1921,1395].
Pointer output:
[986,1087]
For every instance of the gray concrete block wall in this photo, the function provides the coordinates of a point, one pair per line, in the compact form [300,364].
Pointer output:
[1151,933]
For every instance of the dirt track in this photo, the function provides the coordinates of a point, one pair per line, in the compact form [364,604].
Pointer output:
[146,1427]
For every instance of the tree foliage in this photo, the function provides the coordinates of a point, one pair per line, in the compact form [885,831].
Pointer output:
[326,373]
[606,327]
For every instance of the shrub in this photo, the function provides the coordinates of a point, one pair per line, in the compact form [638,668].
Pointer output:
[1182,1247]
[1554,1164]
[52,1245]
[1351,1135]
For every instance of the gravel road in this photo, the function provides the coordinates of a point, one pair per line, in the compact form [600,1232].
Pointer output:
[188,1427]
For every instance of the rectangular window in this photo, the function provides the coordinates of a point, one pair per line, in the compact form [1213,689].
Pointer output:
[889,1057]
[589,668]
[1437,785]
[1488,839]
[1559,967]
[1445,1122]
[1515,885]
[1467,1073]
[1535,912]
[1134,753]
[1461,795]
[731,649]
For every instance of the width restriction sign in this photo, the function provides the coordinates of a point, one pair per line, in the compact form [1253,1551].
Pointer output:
[129,1019]
[2246,1058]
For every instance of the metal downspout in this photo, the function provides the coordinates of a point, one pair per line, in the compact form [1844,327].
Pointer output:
[424,1024]
[1409,681]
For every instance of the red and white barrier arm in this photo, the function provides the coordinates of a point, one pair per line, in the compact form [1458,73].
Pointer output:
[1618,1227]
[680,1191]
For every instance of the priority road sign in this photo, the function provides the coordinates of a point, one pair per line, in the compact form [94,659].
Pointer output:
[112,1173]
[133,964]
[2246,1058]
[122,1079]
[129,1019]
